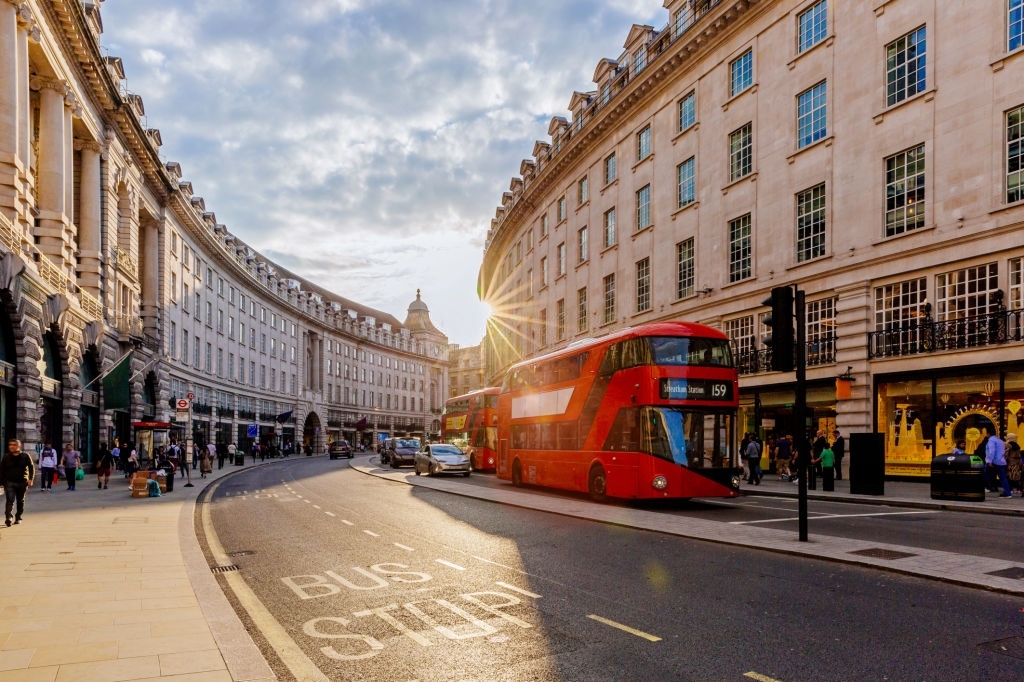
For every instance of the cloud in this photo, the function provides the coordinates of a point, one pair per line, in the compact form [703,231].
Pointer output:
[364,144]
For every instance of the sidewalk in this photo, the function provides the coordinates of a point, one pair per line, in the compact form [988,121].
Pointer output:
[98,585]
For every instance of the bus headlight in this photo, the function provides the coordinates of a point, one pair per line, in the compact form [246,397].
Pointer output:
[659,483]
[736,482]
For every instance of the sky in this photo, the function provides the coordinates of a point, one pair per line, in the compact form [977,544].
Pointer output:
[364,144]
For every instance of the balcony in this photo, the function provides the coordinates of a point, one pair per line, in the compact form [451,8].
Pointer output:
[916,338]
[820,351]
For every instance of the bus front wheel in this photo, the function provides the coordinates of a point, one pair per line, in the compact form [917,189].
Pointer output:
[597,484]
[517,474]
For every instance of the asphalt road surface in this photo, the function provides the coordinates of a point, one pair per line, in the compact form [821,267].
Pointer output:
[344,576]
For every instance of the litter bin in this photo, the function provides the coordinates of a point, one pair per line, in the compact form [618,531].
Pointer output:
[239,457]
[958,477]
[867,463]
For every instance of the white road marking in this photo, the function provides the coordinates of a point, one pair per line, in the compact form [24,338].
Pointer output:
[830,516]
[624,628]
[347,523]
[759,677]
[371,533]
[329,513]
[407,549]
[450,564]
[517,589]
[316,506]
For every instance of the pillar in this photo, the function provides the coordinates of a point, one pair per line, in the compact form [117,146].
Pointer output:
[51,193]
[89,238]
[150,276]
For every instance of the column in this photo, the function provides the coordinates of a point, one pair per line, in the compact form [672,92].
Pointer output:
[51,169]
[9,67]
[89,241]
[150,276]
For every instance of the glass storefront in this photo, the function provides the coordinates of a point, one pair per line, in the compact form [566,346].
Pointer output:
[923,417]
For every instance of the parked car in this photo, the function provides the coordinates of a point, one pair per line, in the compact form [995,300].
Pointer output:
[340,448]
[441,458]
[399,451]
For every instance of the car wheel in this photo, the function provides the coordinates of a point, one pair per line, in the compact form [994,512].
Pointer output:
[472,462]
[517,474]
[394,464]
[597,483]
[416,469]
[465,475]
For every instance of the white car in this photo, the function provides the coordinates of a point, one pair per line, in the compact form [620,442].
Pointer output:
[440,458]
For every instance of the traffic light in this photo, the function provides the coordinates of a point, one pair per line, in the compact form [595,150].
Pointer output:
[780,322]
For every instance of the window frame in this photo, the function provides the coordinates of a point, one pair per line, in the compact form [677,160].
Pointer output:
[812,115]
[741,72]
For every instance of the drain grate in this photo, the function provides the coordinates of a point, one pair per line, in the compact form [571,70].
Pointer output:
[879,553]
[1011,646]
[1014,573]
[224,569]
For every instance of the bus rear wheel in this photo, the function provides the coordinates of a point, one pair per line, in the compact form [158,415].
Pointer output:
[517,474]
[597,484]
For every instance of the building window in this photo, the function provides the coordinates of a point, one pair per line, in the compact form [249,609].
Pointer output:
[1015,24]
[544,225]
[905,66]
[543,327]
[582,247]
[686,187]
[561,259]
[904,191]
[544,271]
[740,254]
[609,169]
[811,115]
[741,333]
[560,319]
[609,228]
[581,310]
[741,152]
[582,192]
[561,208]
[643,285]
[899,304]
[685,268]
[640,60]
[529,283]
[813,26]
[643,144]
[1015,154]
[197,353]
[1015,300]
[821,326]
[741,73]
[184,346]
[529,239]
[687,111]
[966,292]
[172,338]
[810,223]
[609,299]
[643,208]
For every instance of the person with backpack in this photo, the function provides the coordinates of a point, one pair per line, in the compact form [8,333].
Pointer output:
[47,467]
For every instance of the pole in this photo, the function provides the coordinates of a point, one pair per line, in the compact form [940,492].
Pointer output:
[803,444]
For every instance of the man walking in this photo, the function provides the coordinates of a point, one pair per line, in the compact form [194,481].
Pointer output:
[995,460]
[753,455]
[16,474]
[839,450]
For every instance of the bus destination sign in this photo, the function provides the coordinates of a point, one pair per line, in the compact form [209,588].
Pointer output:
[695,389]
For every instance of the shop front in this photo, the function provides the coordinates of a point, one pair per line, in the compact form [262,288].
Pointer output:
[769,411]
[924,415]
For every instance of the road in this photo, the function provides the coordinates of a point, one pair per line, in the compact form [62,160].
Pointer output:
[343,576]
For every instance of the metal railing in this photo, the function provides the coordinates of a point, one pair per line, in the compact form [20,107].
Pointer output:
[928,336]
[820,351]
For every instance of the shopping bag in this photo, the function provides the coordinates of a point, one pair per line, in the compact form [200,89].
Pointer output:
[79,474]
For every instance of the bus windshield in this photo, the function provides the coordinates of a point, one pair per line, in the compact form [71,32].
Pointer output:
[680,350]
[690,438]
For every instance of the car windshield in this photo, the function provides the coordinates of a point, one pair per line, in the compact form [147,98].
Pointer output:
[446,450]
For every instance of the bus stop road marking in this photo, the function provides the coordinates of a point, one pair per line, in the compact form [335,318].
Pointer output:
[517,589]
[407,549]
[371,533]
[450,564]
[624,628]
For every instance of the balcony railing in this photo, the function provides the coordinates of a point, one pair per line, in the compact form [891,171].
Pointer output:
[927,336]
[128,326]
[820,351]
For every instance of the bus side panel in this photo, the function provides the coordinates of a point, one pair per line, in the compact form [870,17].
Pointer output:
[504,466]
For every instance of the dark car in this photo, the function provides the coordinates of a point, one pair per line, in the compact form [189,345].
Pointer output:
[441,458]
[340,449]
[399,451]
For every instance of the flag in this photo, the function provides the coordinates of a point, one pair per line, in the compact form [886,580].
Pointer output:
[117,393]
[283,417]
[361,426]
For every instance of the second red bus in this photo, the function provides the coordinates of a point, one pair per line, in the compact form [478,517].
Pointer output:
[470,421]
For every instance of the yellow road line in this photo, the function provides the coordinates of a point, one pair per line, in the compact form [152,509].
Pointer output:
[759,677]
[624,628]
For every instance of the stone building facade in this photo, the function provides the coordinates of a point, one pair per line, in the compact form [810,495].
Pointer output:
[869,153]
[108,255]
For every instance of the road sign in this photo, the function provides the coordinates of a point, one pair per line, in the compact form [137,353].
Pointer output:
[252,431]
[182,404]
[191,396]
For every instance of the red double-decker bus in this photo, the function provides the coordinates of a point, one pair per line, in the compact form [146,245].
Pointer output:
[645,413]
[470,421]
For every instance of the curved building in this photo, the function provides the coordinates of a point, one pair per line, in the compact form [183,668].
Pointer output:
[869,153]
[130,314]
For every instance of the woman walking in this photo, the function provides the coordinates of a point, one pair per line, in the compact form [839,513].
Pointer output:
[48,467]
[71,461]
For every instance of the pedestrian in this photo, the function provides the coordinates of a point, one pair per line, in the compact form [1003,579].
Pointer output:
[232,452]
[839,449]
[960,448]
[1013,463]
[48,467]
[131,466]
[71,461]
[826,460]
[814,469]
[995,463]
[753,455]
[115,454]
[222,453]
[205,463]
[783,453]
[17,472]
[104,463]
